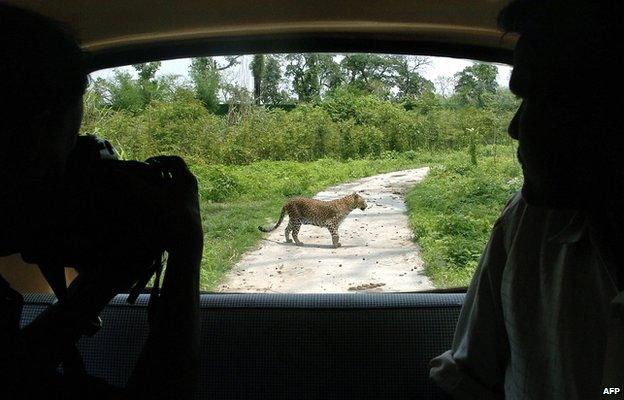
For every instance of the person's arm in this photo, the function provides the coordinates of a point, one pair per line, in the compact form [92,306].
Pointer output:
[475,366]
[169,364]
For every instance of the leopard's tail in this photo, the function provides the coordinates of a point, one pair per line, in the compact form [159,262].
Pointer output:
[279,221]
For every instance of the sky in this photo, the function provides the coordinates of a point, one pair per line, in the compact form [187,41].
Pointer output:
[440,66]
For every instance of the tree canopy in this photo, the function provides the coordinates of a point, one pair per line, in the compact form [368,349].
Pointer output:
[295,78]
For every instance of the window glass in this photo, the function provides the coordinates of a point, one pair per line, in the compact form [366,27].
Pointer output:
[409,155]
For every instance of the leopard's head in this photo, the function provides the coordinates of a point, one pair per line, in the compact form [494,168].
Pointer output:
[358,201]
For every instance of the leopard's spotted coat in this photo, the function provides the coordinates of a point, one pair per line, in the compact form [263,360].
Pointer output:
[327,214]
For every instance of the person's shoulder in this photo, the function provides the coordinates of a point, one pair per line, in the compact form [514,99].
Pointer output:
[512,211]
[510,220]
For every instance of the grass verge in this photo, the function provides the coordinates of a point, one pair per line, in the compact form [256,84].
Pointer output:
[452,211]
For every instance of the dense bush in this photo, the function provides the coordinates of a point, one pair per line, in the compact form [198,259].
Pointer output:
[343,126]
[182,127]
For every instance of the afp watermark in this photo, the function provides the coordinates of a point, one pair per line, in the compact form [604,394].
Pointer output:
[611,391]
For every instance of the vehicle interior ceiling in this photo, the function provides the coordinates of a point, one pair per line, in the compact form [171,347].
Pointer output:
[118,33]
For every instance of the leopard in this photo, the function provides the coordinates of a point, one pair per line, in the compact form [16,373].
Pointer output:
[324,213]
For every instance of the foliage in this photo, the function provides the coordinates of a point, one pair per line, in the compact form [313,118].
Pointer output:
[369,73]
[126,93]
[386,76]
[119,93]
[452,211]
[181,127]
[344,126]
[311,77]
[474,83]
[218,185]
[206,81]
[407,79]
[267,76]
[257,67]
[311,73]
[147,82]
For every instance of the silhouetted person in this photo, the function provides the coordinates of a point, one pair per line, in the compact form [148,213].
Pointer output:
[540,319]
[108,226]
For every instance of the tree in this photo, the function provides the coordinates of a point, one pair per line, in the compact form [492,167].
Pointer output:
[267,75]
[147,71]
[331,75]
[205,75]
[239,102]
[147,79]
[305,74]
[312,74]
[257,67]
[445,85]
[502,100]
[205,78]
[369,73]
[123,92]
[272,82]
[408,81]
[475,82]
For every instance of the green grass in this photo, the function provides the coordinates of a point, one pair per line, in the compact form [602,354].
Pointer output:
[452,211]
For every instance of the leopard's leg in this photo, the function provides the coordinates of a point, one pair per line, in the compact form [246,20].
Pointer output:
[333,230]
[287,231]
[295,232]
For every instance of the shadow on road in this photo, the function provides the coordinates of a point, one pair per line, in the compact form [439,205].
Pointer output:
[312,245]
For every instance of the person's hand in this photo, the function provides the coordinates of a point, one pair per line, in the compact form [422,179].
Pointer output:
[117,215]
[181,200]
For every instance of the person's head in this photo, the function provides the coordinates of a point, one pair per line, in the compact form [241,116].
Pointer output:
[568,124]
[43,77]
[358,201]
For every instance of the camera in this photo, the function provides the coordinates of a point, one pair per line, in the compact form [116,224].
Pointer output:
[94,155]
[104,213]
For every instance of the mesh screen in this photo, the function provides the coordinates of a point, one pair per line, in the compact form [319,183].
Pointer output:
[283,346]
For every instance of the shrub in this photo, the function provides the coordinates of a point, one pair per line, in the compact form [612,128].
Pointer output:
[343,126]
[217,184]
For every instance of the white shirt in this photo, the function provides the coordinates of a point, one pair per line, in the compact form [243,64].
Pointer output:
[535,318]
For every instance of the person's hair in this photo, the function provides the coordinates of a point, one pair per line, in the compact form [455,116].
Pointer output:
[578,43]
[587,28]
[41,65]
[42,72]
[521,16]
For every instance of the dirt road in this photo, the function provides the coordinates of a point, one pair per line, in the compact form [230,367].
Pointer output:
[377,252]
